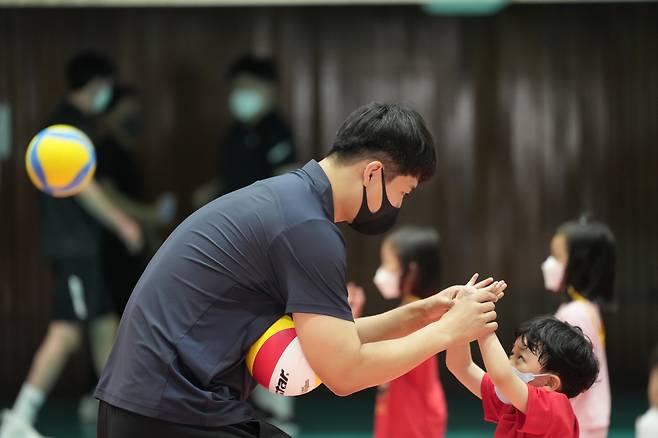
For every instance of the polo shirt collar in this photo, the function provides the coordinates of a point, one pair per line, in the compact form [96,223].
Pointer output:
[322,186]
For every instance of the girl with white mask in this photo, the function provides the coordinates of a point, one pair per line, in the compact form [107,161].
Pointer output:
[413,405]
[581,267]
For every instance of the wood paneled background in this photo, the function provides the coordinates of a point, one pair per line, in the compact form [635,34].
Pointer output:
[539,113]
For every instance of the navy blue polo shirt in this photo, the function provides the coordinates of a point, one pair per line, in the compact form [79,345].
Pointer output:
[219,281]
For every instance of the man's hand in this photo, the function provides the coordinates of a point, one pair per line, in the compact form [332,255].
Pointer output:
[437,305]
[473,313]
[131,235]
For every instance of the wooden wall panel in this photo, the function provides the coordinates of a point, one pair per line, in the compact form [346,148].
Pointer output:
[539,113]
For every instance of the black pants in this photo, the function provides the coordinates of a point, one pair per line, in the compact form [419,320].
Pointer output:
[114,422]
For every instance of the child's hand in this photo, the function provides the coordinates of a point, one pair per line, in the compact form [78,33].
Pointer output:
[497,288]
[440,303]
[472,316]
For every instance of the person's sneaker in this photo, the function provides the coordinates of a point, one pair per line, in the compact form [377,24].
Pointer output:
[87,409]
[15,427]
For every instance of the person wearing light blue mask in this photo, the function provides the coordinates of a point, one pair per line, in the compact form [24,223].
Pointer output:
[527,394]
[259,142]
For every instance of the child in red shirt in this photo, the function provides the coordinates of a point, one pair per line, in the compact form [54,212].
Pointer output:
[527,394]
[413,405]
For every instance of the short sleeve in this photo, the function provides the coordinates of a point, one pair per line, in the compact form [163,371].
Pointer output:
[309,266]
[549,414]
[490,402]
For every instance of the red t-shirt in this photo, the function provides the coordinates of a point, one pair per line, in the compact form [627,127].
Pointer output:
[549,414]
[413,405]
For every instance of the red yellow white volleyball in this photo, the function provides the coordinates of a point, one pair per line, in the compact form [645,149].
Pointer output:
[60,160]
[277,362]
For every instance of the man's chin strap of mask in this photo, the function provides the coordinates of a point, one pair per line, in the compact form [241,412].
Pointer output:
[381,221]
[525,377]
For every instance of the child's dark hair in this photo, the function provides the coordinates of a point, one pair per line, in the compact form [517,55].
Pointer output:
[420,246]
[562,349]
[591,266]
[391,133]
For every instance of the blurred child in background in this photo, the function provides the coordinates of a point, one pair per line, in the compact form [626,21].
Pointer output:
[647,425]
[582,268]
[413,405]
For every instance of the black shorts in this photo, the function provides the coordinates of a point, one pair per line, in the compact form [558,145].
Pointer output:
[114,422]
[80,293]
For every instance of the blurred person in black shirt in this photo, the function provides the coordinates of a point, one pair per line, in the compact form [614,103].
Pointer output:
[71,242]
[120,176]
[258,143]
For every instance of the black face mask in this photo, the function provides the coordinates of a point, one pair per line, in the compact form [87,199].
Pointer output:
[381,221]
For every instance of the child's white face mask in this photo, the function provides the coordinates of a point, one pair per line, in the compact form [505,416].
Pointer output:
[525,377]
[388,283]
[553,274]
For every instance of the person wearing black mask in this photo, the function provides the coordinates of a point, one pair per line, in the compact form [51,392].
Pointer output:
[238,264]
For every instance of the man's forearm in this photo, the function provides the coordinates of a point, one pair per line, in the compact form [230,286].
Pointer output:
[395,323]
[100,207]
[382,361]
[141,211]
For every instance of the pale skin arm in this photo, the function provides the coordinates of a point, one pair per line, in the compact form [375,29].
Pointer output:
[411,317]
[94,200]
[461,365]
[458,357]
[500,372]
[395,323]
[142,211]
[346,364]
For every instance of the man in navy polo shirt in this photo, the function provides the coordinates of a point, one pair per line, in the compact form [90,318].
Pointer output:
[239,263]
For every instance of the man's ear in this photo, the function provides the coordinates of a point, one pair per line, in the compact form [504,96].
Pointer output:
[372,169]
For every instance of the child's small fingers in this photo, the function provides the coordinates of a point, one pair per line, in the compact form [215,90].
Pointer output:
[484,283]
[473,279]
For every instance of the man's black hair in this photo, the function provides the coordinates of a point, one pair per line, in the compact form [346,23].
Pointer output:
[85,66]
[391,133]
[260,68]
[563,350]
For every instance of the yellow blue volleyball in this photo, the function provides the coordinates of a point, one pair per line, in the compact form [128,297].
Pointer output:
[277,362]
[60,160]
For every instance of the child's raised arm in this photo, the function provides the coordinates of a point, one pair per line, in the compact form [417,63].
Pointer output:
[461,365]
[500,372]
[458,358]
